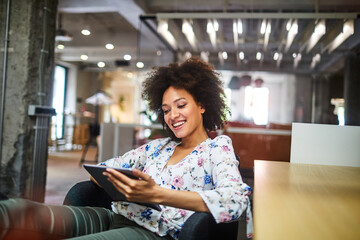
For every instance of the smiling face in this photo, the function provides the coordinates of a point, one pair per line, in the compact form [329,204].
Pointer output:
[183,115]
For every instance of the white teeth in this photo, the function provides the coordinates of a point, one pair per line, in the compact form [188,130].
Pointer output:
[178,124]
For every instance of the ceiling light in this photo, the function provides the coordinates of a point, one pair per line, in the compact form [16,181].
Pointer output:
[60,46]
[268,27]
[101,64]
[188,55]
[293,30]
[224,55]
[240,26]
[267,35]
[187,29]
[294,55]
[288,25]
[127,57]
[241,55]
[297,60]
[139,64]
[276,56]
[204,56]
[130,74]
[221,58]
[319,31]
[158,52]
[279,59]
[216,25]
[163,30]
[320,27]
[85,32]
[62,35]
[210,29]
[84,57]
[258,55]
[315,60]
[348,30]
[109,46]
[235,32]
[263,27]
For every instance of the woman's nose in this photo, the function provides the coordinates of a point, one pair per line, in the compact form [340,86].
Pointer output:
[174,114]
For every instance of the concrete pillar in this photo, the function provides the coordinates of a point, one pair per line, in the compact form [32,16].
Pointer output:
[303,98]
[320,98]
[352,89]
[23,87]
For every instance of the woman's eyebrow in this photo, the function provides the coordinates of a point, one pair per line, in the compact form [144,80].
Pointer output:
[175,101]
[179,99]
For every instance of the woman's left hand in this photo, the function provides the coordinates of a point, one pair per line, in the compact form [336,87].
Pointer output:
[143,190]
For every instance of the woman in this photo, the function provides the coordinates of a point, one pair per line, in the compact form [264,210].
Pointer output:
[184,173]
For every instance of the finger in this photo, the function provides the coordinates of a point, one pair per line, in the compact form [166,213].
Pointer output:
[120,186]
[142,175]
[122,177]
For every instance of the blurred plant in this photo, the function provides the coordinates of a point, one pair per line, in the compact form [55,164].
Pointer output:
[121,103]
[152,118]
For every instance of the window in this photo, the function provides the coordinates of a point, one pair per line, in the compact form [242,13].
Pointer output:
[339,109]
[58,102]
[256,104]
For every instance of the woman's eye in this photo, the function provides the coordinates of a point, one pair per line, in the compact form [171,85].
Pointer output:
[166,111]
[182,106]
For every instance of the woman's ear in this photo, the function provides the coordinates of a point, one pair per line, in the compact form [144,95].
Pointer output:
[202,109]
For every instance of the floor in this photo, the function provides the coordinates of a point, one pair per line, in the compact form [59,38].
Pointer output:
[63,172]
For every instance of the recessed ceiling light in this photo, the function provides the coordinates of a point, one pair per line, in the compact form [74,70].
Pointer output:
[139,64]
[130,74]
[276,56]
[127,57]
[158,52]
[101,64]
[85,32]
[241,55]
[258,55]
[84,57]
[60,46]
[109,46]
[225,55]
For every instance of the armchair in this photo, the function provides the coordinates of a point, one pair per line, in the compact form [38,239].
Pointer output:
[200,226]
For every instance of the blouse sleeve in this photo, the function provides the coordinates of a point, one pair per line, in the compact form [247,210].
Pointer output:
[135,158]
[229,197]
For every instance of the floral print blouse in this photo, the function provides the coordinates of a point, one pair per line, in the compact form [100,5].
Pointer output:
[211,169]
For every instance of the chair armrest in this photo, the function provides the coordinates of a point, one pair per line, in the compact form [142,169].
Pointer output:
[202,226]
[196,227]
[87,193]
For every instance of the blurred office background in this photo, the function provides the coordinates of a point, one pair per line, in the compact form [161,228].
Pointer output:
[280,61]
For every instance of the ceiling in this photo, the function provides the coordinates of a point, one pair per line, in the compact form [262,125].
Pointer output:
[118,22]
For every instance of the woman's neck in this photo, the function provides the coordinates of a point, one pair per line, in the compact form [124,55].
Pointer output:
[194,140]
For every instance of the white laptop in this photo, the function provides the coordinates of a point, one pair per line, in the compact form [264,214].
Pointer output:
[325,144]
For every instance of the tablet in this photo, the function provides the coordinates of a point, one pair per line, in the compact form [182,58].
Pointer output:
[96,172]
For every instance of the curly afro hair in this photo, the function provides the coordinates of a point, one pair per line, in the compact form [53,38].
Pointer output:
[196,77]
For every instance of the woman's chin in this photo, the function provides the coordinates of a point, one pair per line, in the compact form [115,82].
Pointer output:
[179,135]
